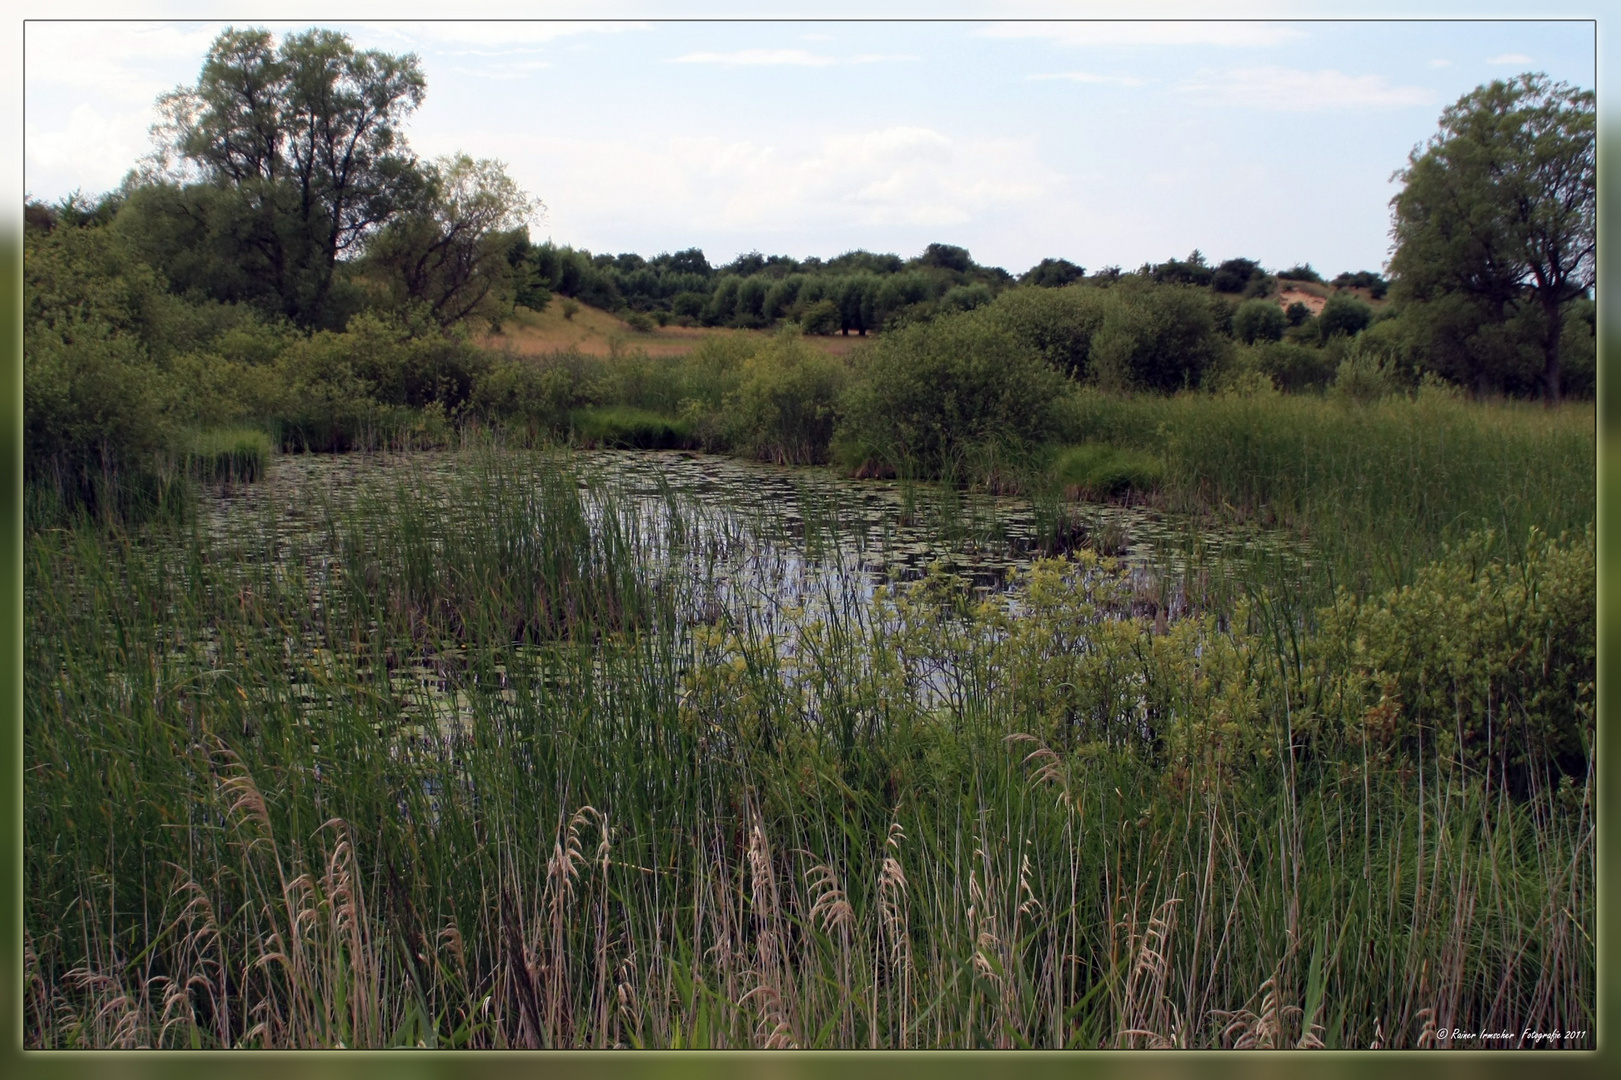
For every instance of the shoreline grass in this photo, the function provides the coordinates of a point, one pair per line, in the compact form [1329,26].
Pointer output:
[324,788]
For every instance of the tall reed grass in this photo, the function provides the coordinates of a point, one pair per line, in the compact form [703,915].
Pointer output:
[451,770]
[1378,489]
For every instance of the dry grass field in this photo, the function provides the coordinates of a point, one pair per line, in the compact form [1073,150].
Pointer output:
[595,332]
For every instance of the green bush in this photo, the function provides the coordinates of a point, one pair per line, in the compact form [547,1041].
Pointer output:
[1258,320]
[934,397]
[1294,367]
[688,303]
[345,389]
[966,297]
[822,317]
[786,406]
[1376,285]
[1058,323]
[1343,314]
[1156,338]
[534,393]
[1301,272]
[639,321]
[1480,657]
[1297,313]
[1363,373]
[1260,285]
[92,400]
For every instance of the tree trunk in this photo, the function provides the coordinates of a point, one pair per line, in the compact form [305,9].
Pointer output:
[1550,364]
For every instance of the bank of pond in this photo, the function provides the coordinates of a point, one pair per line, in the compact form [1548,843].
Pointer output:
[1285,741]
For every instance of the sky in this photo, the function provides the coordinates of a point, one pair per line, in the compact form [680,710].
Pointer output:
[1105,143]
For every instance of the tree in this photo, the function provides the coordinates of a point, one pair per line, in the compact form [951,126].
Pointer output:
[450,256]
[305,139]
[1234,275]
[1053,273]
[1258,320]
[1500,206]
[1343,314]
[945,257]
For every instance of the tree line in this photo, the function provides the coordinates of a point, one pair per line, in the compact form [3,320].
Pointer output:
[284,255]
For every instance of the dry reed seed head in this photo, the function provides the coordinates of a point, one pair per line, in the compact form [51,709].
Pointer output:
[1030,906]
[450,939]
[829,906]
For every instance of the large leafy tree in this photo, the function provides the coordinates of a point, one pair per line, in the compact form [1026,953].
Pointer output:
[1499,208]
[298,150]
[450,256]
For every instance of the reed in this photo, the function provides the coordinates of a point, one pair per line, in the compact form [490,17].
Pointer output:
[452,764]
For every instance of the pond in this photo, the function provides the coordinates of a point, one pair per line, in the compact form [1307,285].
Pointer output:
[773,536]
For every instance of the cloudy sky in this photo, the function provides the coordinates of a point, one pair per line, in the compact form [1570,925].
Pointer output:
[1104,143]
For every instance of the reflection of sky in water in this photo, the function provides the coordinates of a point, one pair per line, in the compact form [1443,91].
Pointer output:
[768,535]
[760,548]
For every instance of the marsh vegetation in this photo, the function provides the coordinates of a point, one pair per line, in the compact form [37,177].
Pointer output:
[1081,660]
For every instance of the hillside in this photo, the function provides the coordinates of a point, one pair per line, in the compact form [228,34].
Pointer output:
[595,332]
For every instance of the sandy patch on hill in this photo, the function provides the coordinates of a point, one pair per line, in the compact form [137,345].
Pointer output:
[1311,300]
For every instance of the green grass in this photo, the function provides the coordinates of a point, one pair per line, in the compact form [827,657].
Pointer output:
[1377,489]
[446,770]
[229,454]
[624,426]
[1099,471]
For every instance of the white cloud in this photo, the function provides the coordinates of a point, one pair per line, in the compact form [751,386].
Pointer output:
[1089,77]
[501,68]
[1303,91]
[1151,32]
[92,150]
[1510,58]
[781,58]
[1439,63]
[891,176]
[758,58]
[122,60]
[497,33]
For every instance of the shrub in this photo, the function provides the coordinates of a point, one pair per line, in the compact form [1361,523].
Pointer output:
[1301,272]
[1156,339]
[570,307]
[1488,659]
[1376,285]
[1343,314]
[1235,275]
[822,317]
[535,393]
[935,395]
[1295,367]
[1057,323]
[1052,273]
[966,297]
[1260,285]
[1297,313]
[689,303]
[1258,320]
[92,402]
[639,321]
[785,408]
[1364,374]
